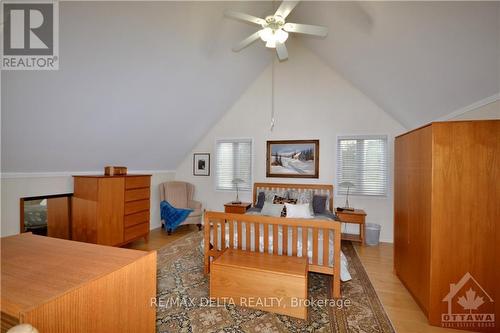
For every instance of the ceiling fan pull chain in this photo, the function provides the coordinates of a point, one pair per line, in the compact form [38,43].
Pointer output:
[273,120]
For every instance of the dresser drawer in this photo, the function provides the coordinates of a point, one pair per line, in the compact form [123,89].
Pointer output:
[138,194]
[136,206]
[137,218]
[136,231]
[137,182]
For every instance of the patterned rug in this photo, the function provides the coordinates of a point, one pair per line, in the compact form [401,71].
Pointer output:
[183,291]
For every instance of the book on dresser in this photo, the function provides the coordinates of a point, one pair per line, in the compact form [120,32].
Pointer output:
[111,210]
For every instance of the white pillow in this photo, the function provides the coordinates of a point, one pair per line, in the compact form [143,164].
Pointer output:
[301,211]
[270,209]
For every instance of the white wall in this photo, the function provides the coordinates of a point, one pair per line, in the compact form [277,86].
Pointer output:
[488,111]
[311,102]
[16,186]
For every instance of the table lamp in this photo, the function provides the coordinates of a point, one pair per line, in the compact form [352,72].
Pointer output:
[348,185]
[237,181]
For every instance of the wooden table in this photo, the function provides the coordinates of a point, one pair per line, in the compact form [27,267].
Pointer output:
[62,286]
[240,208]
[356,216]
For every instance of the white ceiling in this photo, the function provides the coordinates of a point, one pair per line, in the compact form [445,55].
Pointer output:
[417,60]
[140,83]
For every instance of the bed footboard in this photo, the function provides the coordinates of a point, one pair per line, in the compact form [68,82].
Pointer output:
[241,227]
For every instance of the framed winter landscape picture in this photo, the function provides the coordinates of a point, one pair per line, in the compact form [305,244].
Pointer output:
[201,164]
[293,159]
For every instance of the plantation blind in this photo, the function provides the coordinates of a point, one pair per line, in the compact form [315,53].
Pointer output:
[233,160]
[362,160]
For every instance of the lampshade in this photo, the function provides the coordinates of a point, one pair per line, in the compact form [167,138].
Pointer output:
[346,184]
[237,181]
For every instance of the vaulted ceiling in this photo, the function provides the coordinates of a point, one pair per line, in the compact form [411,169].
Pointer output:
[140,83]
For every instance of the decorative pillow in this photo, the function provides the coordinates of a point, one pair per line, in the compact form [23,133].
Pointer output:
[270,194]
[319,204]
[260,200]
[301,211]
[282,200]
[270,209]
[302,197]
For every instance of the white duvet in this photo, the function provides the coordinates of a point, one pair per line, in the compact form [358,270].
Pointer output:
[344,272]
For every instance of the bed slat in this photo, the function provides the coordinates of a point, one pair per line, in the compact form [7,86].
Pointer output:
[315,246]
[257,236]
[223,235]
[266,238]
[231,234]
[216,235]
[285,240]
[239,235]
[275,239]
[248,244]
[326,248]
[294,241]
[305,231]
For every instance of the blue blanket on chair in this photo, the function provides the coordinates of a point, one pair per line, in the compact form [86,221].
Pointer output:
[172,216]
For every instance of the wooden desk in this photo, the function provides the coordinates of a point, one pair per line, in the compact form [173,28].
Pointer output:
[358,217]
[240,208]
[62,286]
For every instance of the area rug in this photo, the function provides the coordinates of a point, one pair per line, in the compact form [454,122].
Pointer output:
[183,291]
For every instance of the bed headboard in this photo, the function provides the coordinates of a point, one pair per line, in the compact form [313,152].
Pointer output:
[320,189]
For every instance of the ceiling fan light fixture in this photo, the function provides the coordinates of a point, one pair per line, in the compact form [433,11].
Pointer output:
[266,34]
[271,37]
[271,44]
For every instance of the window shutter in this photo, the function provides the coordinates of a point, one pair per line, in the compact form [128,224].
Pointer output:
[233,160]
[362,160]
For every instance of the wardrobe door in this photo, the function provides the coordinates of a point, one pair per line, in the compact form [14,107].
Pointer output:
[465,213]
[412,200]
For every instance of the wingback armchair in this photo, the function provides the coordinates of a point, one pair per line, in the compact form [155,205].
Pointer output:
[180,195]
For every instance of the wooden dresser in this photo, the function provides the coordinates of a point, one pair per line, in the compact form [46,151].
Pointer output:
[61,286]
[446,216]
[111,210]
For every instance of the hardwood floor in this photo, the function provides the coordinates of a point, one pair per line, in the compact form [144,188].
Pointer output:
[402,310]
[159,238]
[404,313]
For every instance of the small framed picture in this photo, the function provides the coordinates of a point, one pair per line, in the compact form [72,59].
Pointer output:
[201,164]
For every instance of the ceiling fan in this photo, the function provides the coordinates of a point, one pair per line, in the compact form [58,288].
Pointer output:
[275,29]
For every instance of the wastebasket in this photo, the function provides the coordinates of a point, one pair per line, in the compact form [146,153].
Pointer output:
[372,233]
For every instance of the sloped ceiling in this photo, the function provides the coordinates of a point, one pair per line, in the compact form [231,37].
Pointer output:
[140,83]
[417,60]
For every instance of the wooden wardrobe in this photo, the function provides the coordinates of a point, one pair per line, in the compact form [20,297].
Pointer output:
[446,212]
[111,210]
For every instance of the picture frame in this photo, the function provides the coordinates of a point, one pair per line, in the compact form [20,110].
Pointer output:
[201,164]
[292,159]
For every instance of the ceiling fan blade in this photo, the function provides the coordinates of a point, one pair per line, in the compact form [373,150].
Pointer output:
[286,7]
[247,41]
[281,50]
[244,17]
[315,30]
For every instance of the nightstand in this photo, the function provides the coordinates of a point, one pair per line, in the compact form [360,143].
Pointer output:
[240,208]
[356,216]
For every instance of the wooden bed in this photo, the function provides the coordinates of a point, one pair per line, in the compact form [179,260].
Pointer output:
[243,225]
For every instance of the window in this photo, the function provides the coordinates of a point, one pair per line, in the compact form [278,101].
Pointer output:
[362,160]
[233,160]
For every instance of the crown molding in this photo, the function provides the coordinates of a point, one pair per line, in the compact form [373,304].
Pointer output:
[473,106]
[13,175]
